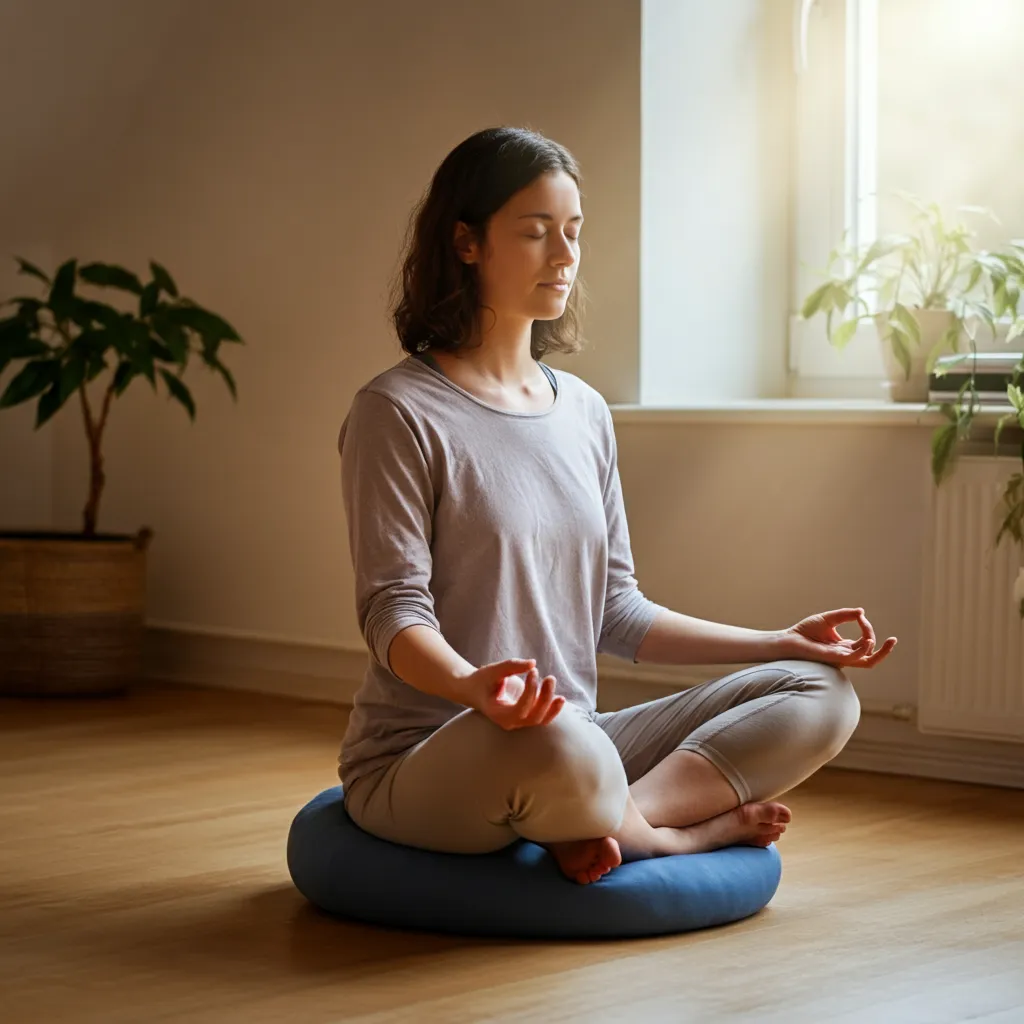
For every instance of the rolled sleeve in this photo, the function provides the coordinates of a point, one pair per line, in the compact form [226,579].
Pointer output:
[628,614]
[389,499]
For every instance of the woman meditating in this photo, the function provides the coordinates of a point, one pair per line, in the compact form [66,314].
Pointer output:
[492,563]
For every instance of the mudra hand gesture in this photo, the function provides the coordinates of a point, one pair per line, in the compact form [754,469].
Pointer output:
[817,639]
[509,701]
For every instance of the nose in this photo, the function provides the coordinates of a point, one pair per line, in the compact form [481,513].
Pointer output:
[564,255]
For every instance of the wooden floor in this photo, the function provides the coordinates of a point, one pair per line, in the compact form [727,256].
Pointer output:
[142,879]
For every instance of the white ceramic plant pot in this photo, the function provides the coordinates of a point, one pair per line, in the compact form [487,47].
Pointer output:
[933,323]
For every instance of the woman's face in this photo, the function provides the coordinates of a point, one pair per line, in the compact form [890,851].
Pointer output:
[532,240]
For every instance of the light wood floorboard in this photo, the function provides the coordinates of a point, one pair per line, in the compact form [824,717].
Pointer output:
[142,878]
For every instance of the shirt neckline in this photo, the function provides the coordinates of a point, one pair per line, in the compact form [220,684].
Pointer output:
[522,414]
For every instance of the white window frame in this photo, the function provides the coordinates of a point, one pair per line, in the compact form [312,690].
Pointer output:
[835,45]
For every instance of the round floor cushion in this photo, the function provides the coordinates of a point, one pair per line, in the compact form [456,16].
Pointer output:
[519,890]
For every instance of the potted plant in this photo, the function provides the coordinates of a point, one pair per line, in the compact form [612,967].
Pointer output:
[930,286]
[72,605]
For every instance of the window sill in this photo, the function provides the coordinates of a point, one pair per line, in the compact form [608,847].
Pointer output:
[783,411]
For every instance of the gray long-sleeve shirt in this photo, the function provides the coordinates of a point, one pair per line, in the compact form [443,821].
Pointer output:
[504,530]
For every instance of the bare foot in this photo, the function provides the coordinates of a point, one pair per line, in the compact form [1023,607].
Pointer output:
[586,860]
[753,824]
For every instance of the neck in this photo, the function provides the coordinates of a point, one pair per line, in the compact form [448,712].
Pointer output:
[503,354]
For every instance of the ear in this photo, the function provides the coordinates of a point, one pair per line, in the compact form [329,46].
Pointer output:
[466,247]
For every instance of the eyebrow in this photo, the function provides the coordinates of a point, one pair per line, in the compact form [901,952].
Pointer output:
[547,216]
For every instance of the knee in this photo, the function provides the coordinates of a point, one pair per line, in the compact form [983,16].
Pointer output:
[574,763]
[838,708]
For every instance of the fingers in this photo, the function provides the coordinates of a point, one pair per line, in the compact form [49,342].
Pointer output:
[536,700]
[527,699]
[882,652]
[500,671]
[869,661]
[556,705]
[866,627]
[840,615]
[537,705]
[513,666]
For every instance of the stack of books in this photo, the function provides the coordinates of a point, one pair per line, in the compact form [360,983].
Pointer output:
[993,371]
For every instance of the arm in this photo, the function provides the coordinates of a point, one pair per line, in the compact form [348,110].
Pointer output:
[640,630]
[389,500]
[676,639]
[628,614]
[421,657]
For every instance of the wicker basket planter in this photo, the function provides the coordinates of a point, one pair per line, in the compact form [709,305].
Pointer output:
[72,610]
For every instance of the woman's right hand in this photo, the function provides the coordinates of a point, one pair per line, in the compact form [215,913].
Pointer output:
[509,701]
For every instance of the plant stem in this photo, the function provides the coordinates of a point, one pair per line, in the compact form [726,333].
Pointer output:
[94,436]
[97,478]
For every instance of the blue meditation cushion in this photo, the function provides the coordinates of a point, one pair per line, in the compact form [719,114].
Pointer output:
[518,891]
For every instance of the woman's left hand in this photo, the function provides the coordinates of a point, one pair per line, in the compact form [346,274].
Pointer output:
[817,639]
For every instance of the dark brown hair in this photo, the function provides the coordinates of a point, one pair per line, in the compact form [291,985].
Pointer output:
[436,297]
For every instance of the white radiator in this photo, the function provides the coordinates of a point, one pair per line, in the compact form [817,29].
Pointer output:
[971,679]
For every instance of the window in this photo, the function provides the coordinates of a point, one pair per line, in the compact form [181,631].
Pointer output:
[913,95]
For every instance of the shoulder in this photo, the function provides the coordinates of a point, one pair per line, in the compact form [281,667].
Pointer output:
[398,385]
[386,404]
[587,399]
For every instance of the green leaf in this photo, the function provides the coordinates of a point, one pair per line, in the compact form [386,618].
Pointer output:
[999,298]
[148,299]
[72,375]
[1003,420]
[24,267]
[62,294]
[91,343]
[943,444]
[88,312]
[899,348]
[110,275]
[28,307]
[879,249]
[162,279]
[17,342]
[123,376]
[14,330]
[212,327]
[951,339]
[97,365]
[121,336]
[174,337]
[48,405]
[161,351]
[214,363]
[180,392]
[814,300]
[34,378]
[844,332]
[140,352]
[906,319]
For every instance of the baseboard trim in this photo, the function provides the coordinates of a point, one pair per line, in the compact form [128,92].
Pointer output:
[885,741]
[302,671]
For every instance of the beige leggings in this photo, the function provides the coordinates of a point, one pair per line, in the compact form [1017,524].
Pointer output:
[473,787]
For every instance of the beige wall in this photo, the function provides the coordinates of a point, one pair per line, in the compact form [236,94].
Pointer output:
[269,155]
